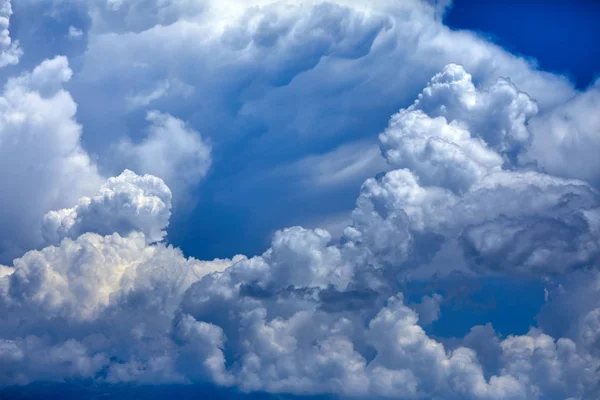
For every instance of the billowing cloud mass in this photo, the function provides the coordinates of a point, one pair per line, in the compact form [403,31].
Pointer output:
[172,151]
[10,52]
[269,83]
[42,163]
[127,203]
[315,315]
[567,137]
[485,171]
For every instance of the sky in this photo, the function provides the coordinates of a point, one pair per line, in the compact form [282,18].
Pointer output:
[557,35]
[299,199]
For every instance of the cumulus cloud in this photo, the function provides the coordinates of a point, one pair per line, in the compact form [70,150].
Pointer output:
[44,167]
[457,184]
[42,163]
[275,44]
[566,138]
[305,348]
[503,223]
[312,314]
[455,134]
[281,80]
[428,308]
[499,114]
[103,274]
[112,291]
[124,204]
[10,52]
[171,150]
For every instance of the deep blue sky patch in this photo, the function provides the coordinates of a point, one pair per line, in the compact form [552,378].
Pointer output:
[559,34]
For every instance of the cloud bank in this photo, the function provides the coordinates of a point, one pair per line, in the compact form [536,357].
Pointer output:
[315,315]
[489,174]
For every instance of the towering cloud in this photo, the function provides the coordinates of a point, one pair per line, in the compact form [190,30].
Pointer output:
[461,186]
[315,315]
[491,173]
[42,163]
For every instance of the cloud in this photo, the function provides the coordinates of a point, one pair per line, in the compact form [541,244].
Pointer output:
[349,164]
[311,315]
[167,87]
[428,309]
[454,134]
[458,183]
[74,33]
[566,139]
[465,189]
[171,150]
[124,204]
[307,350]
[140,15]
[42,163]
[280,80]
[112,292]
[572,310]
[97,292]
[10,52]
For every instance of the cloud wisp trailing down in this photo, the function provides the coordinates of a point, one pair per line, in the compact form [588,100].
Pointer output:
[318,315]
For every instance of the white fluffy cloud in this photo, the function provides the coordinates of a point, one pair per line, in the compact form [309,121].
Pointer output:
[455,134]
[503,223]
[172,151]
[113,292]
[458,184]
[42,163]
[44,167]
[10,52]
[312,314]
[293,339]
[124,204]
[253,62]
[566,139]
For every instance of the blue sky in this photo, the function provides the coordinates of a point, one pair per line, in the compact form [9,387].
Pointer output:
[557,35]
[259,199]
